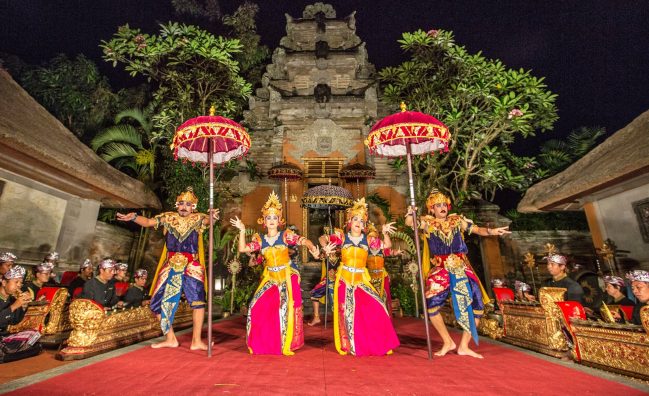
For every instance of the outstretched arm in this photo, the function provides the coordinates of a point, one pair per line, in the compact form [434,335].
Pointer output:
[215,216]
[237,223]
[484,231]
[134,217]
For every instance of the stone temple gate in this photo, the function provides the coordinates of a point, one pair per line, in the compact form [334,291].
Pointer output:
[317,102]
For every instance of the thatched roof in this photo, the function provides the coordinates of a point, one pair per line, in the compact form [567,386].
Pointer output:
[621,157]
[35,145]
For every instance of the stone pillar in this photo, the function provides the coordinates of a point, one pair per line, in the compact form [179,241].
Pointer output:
[485,214]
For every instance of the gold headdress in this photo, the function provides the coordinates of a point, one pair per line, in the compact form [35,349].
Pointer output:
[358,209]
[371,230]
[272,206]
[436,197]
[188,196]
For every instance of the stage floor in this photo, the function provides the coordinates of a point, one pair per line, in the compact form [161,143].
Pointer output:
[317,369]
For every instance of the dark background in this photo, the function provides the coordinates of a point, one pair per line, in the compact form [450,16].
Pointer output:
[594,54]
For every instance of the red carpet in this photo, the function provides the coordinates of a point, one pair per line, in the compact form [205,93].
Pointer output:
[317,369]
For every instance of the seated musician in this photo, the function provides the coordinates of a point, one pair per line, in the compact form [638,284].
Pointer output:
[615,287]
[121,270]
[52,259]
[42,274]
[523,292]
[84,275]
[100,289]
[7,260]
[13,304]
[640,287]
[498,283]
[136,294]
[557,267]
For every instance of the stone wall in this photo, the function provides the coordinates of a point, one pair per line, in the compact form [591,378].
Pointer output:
[111,241]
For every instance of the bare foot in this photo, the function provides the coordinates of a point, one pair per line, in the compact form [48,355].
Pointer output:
[314,322]
[446,348]
[469,352]
[165,344]
[199,346]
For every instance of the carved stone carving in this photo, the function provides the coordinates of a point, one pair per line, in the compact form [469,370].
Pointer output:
[322,93]
[310,11]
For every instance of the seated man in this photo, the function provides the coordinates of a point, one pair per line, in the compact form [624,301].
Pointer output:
[640,286]
[120,272]
[7,260]
[85,274]
[615,288]
[558,271]
[42,274]
[100,289]
[52,258]
[136,293]
[13,304]
[524,292]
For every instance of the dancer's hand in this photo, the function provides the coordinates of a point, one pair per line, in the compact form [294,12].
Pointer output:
[388,228]
[499,231]
[315,252]
[411,210]
[125,217]
[238,224]
[215,213]
[329,249]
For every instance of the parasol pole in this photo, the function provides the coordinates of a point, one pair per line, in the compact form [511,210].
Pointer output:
[327,270]
[286,198]
[210,277]
[416,228]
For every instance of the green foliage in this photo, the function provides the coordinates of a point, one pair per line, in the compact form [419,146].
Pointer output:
[73,90]
[400,289]
[556,155]
[484,104]
[130,147]
[382,203]
[192,68]
[575,221]
[209,9]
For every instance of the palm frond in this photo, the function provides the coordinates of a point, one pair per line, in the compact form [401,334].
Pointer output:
[112,151]
[136,114]
[117,134]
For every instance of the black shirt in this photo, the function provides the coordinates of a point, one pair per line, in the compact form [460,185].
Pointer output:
[6,316]
[33,289]
[134,297]
[574,291]
[76,282]
[100,292]
[635,319]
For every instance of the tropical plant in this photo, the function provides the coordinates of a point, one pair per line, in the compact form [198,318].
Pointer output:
[556,155]
[73,90]
[129,145]
[485,105]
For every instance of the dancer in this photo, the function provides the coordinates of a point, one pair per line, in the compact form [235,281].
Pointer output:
[181,268]
[378,250]
[362,325]
[327,279]
[444,260]
[274,325]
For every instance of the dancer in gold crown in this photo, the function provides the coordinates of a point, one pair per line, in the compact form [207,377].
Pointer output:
[181,269]
[275,317]
[445,261]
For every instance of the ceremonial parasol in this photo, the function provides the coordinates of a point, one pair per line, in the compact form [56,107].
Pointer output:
[288,172]
[210,140]
[357,172]
[330,198]
[407,133]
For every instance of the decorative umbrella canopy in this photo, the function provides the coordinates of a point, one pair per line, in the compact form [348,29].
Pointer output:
[327,197]
[424,133]
[285,171]
[210,140]
[357,172]
[407,133]
[192,140]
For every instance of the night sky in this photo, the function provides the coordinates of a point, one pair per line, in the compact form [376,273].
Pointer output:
[594,54]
